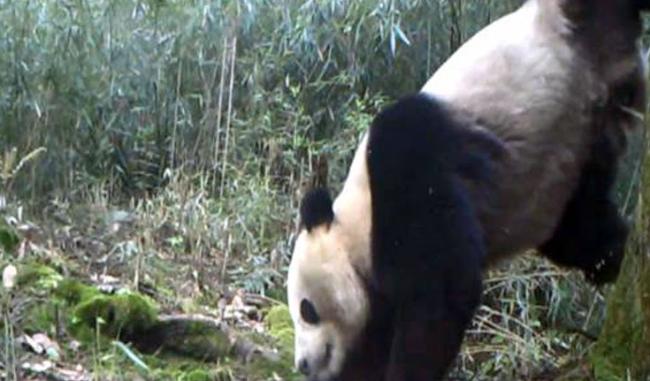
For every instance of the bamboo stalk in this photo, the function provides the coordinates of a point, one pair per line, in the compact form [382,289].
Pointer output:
[217,137]
[179,74]
[224,158]
[208,113]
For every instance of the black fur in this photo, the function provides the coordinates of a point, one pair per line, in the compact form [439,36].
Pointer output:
[316,209]
[368,360]
[426,244]
[642,5]
[591,234]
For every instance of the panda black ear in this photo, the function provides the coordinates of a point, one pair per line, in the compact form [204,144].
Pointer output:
[316,208]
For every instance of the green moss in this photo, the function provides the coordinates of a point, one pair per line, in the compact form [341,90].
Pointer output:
[261,369]
[198,375]
[285,338]
[277,293]
[38,276]
[120,315]
[207,375]
[194,339]
[115,315]
[36,281]
[41,317]
[280,328]
[171,368]
[9,238]
[278,318]
[73,292]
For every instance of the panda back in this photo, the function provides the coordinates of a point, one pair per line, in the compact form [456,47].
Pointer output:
[521,80]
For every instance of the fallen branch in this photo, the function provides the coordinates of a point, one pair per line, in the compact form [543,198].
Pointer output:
[200,337]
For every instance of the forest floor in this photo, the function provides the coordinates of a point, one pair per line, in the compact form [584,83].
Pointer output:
[91,286]
[96,288]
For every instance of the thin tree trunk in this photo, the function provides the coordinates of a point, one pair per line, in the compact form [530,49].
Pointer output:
[623,348]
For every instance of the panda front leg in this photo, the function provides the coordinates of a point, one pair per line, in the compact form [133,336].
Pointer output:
[429,331]
[426,240]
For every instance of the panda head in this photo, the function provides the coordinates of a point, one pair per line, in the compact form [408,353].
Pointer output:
[326,294]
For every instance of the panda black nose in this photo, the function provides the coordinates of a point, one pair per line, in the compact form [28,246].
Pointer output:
[303,367]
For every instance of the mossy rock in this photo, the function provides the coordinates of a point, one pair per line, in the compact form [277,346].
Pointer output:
[38,277]
[280,328]
[187,338]
[285,338]
[123,315]
[278,318]
[169,368]
[133,317]
[73,292]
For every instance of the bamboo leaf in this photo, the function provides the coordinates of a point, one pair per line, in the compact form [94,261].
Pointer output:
[137,361]
[401,35]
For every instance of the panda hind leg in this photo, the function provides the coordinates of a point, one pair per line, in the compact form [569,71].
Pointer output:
[591,234]
[590,237]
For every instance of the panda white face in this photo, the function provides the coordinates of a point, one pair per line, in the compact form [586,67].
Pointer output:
[327,301]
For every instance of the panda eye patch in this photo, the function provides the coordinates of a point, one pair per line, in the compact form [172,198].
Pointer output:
[308,312]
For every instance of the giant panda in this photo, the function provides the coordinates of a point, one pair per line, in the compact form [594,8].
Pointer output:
[512,144]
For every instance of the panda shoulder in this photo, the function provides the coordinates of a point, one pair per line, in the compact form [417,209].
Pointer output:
[423,133]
